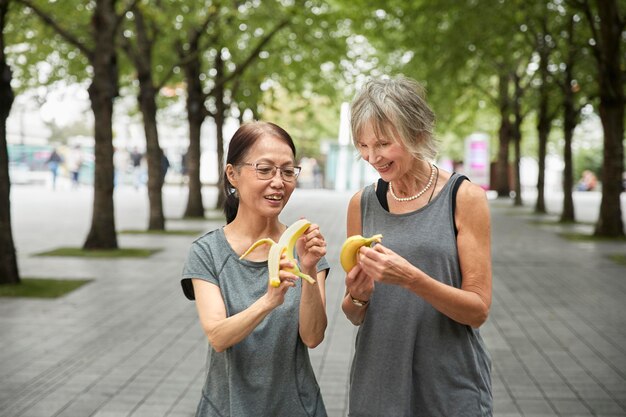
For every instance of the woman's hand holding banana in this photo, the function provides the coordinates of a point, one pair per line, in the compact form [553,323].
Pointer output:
[311,247]
[384,265]
[283,249]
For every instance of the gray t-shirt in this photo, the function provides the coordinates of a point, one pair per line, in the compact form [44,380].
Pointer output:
[410,359]
[269,372]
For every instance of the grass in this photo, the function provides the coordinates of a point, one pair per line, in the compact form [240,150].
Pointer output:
[162,232]
[41,288]
[618,258]
[583,237]
[101,253]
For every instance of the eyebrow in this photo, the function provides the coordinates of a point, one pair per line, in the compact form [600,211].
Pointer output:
[272,162]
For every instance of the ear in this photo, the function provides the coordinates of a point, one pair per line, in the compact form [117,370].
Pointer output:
[231,174]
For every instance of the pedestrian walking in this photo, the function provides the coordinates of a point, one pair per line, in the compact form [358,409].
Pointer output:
[136,159]
[258,362]
[74,163]
[421,295]
[54,160]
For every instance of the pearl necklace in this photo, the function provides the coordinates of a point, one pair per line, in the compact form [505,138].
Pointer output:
[419,194]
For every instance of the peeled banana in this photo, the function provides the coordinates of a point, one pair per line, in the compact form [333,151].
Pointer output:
[285,244]
[350,249]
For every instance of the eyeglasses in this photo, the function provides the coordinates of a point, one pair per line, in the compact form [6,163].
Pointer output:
[268,171]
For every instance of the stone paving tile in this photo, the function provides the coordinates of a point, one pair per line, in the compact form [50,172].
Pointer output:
[129,344]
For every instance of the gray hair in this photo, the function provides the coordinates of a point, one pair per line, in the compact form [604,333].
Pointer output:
[397,109]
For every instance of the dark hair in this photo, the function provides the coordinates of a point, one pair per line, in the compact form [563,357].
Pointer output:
[243,139]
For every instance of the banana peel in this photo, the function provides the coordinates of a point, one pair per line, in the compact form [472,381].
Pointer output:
[350,249]
[285,245]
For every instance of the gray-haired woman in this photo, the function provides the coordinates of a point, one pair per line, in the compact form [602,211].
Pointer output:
[420,296]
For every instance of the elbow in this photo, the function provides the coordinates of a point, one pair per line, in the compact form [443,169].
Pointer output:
[218,347]
[313,343]
[480,317]
[215,342]
[314,339]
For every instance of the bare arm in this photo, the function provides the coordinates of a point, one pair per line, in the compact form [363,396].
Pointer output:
[224,332]
[313,320]
[358,284]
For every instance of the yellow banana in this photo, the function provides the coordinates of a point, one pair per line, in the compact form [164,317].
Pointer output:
[289,239]
[285,244]
[350,249]
[256,244]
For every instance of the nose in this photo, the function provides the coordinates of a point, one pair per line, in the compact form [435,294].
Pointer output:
[277,179]
[372,155]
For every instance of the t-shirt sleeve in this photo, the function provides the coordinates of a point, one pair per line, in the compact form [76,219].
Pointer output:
[200,265]
[323,265]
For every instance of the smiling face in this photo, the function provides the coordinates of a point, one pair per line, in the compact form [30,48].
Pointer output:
[386,154]
[265,197]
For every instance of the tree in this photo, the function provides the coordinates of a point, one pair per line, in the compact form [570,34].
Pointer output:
[573,63]
[139,42]
[607,24]
[9,273]
[98,44]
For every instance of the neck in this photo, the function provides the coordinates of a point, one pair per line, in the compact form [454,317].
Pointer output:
[254,227]
[414,180]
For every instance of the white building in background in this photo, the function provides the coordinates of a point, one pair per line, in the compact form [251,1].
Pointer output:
[345,170]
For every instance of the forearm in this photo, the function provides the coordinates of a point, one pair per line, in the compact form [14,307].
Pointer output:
[354,313]
[312,313]
[461,305]
[225,333]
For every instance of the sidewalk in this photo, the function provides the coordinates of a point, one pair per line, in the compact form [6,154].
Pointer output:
[129,343]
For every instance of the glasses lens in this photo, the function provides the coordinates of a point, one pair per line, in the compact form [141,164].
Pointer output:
[289,173]
[265,171]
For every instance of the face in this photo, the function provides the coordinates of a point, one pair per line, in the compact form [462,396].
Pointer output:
[265,196]
[386,154]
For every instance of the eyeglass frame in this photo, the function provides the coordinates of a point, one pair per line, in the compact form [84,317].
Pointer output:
[275,168]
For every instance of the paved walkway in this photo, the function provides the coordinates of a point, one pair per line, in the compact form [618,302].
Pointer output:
[129,343]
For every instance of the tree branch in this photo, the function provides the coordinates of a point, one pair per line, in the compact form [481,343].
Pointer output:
[255,52]
[57,28]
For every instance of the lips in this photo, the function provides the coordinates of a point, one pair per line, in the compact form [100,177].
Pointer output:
[383,168]
[274,197]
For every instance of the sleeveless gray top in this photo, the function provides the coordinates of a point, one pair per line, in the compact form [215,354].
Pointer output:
[269,372]
[410,359]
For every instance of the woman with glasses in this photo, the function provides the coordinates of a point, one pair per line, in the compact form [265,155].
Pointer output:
[258,362]
[421,295]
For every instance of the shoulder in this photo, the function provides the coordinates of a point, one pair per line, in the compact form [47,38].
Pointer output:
[355,201]
[472,205]
[470,193]
[208,241]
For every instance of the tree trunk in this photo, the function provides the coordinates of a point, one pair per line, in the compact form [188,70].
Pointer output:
[9,273]
[517,138]
[570,116]
[569,124]
[504,136]
[543,130]
[220,113]
[102,91]
[142,59]
[154,153]
[612,116]
[196,114]
[545,120]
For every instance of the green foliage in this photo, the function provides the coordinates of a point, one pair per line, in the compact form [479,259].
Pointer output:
[41,288]
[309,120]
[618,258]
